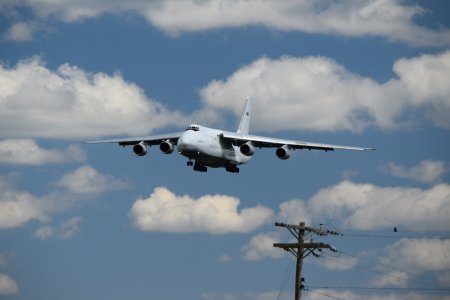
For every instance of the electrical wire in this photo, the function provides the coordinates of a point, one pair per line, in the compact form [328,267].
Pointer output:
[393,269]
[378,288]
[393,235]
[323,294]
[286,277]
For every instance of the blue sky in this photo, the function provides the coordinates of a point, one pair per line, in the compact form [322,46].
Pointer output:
[84,221]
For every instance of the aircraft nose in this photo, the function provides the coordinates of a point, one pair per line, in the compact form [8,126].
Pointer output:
[184,142]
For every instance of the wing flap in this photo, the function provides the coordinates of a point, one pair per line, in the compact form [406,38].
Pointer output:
[149,140]
[268,142]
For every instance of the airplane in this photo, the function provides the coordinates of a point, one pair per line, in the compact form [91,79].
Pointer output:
[208,147]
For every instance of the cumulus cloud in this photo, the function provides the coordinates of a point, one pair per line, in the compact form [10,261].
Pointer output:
[427,171]
[407,259]
[418,255]
[393,278]
[8,285]
[393,20]
[359,206]
[216,214]
[295,90]
[19,207]
[70,103]
[70,227]
[87,180]
[28,152]
[261,246]
[44,232]
[341,263]
[20,32]
[320,294]
[349,295]
[66,230]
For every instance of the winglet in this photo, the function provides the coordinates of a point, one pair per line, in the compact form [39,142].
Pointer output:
[244,125]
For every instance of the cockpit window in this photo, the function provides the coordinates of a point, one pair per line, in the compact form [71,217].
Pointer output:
[192,127]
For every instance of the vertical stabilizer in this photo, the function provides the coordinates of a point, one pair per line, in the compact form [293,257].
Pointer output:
[244,125]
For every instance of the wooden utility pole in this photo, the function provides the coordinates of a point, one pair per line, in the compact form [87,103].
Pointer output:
[302,249]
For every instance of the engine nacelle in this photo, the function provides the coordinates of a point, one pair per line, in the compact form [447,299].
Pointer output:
[140,149]
[247,149]
[166,147]
[284,152]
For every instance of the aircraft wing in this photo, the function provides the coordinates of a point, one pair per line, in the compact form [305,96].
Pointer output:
[268,142]
[149,140]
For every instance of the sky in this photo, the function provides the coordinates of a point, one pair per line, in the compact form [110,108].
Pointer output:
[81,221]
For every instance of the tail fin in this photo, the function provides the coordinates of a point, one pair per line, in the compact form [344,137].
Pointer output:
[244,125]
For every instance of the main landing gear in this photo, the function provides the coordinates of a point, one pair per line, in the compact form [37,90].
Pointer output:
[197,167]
[232,169]
[201,168]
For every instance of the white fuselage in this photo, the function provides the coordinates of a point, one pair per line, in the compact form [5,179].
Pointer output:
[207,147]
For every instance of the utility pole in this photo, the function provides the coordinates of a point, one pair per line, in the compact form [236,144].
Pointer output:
[302,249]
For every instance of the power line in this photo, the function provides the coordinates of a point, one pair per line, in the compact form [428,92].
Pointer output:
[389,266]
[378,288]
[385,234]
[286,277]
[323,294]
[393,269]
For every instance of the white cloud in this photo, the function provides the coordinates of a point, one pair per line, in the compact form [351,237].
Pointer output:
[70,227]
[16,207]
[87,180]
[28,152]
[295,91]
[66,229]
[72,103]
[341,263]
[320,294]
[44,232]
[225,258]
[217,296]
[349,295]
[8,285]
[270,295]
[392,20]
[407,259]
[261,246]
[352,205]
[216,214]
[427,171]
[389,19]
[393,278]
[20,32]
[294,211]
[19,207]
[419,255]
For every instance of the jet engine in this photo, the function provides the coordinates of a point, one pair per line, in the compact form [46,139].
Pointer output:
[247,149]
[140,149]
[166,147]
[284,152]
